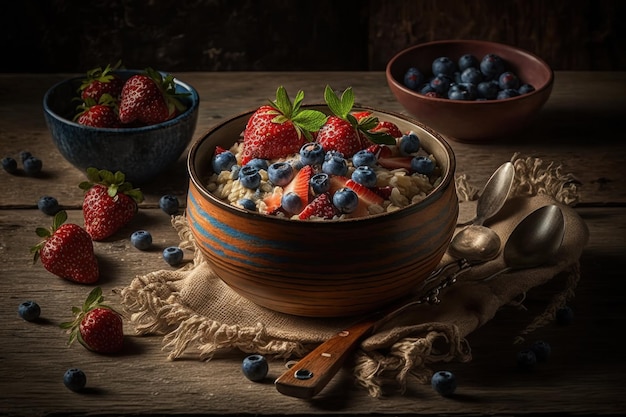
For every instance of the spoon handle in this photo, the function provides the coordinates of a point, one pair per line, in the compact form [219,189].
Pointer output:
[495,274]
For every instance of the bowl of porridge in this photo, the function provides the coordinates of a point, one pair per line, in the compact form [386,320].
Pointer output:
[333,260]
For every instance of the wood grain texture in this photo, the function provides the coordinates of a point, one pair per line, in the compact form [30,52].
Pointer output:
[584,376]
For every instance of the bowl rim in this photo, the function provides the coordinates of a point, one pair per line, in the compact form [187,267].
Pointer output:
[194,98]
[397,84]
[440,188]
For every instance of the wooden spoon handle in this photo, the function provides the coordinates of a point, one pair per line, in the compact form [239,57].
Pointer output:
[312,373]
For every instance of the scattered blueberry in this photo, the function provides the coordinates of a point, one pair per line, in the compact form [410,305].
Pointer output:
[258,163]
[9,165]
[564,315]
[365,176]
[320,183]
[24,155]
[443,65]
[250,177]
[444,382]
[32,165]
[345,200]
[335,164]
[312,154]
[223,161]
[526,359]
[173,255]
[364,157]
[255,367]
[29,310]
[169,204]
[542,350]
[291,203]
[75,379]
[247,204]
[141,239]
[409,143]
[48,205]
[280,173]
[422,165]
[413,78]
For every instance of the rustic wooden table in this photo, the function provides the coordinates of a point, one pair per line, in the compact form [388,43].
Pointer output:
[581,128]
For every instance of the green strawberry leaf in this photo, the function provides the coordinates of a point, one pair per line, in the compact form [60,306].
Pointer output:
[305,121]
[340,106]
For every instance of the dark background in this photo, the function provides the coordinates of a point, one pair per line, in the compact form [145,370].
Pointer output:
[297,35]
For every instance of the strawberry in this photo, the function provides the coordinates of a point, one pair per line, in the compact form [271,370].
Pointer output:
[67,251]
[396,162]
[321,206]
[382,126]
[149,98]
[367,197]
[96,326]
[343,132]
[101,81]
[101,114]
[381,151]
[109,203]
[280,128]
[300,184]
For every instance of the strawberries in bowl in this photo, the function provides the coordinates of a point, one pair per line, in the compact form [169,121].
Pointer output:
[135,121]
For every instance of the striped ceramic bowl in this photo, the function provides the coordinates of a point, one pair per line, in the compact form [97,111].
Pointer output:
[321,268]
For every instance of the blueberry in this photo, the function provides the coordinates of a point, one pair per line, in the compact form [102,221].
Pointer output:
[564,315]
[335,164]
[32,165]
[466,61]
[255,367]
[488,90]
[345,200]
[422,165]
[234,171]
[364,157]
[444,382]
[526,359]
[525,89]
[249,177]
[223,161]
[508,80]
[427,88]
[472,75]
[29,310]
[48,205]
[75,379]
[320,183]
[141,239]
[291,202]
[463,91]
[365,176]
[258,163]
[492,66]
[312,154]
[508,93]
[542,350]
[173,255]
[9,165]
[443,65]
[169,204]
[440,84]
[413,78]
[247,204]
[409,144]
[280,173]
[24,155]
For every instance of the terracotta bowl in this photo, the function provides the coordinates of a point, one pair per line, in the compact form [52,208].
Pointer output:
[321,268]
[471,121]
[141,153]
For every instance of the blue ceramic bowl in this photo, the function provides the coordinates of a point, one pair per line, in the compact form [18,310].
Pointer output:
[140,153]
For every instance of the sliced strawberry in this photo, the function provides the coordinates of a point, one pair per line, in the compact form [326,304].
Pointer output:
[388,127]
[219,150]
[322,207]
[272,201]
[396,162]
[367,197]
[300,184]
[384,192]
[381,151]
[337,182]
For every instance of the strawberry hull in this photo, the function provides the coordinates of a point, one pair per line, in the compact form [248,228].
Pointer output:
[142,153]
[321,268]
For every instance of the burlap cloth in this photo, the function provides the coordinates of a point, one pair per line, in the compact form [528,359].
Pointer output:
[198,315]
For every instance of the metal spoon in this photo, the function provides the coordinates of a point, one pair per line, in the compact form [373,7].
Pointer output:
[534,241]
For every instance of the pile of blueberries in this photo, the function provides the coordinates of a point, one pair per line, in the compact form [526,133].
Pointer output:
[468,79]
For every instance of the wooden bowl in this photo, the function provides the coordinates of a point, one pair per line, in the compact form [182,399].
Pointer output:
[321,268]
[471,121]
